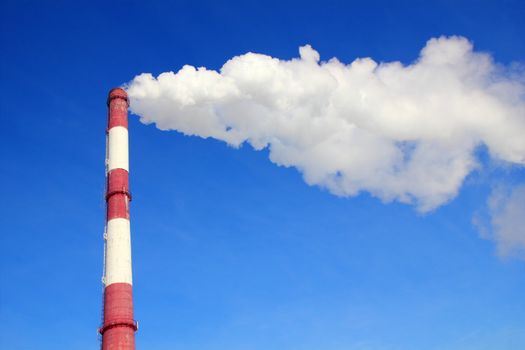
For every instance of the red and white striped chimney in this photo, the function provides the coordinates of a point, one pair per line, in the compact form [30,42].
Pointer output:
[118,327]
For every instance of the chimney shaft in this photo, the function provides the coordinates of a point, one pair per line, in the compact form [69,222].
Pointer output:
[118,327]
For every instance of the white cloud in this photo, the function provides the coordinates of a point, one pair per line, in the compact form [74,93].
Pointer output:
[506,220]
[405,133]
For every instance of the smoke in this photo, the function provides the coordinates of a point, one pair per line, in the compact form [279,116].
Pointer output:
[400,132]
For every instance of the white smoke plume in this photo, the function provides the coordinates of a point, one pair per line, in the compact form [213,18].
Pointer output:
[400,132]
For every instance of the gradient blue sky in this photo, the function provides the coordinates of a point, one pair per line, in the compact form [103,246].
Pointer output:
[231,251]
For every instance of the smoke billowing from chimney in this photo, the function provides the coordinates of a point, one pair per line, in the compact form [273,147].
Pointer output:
[400,132]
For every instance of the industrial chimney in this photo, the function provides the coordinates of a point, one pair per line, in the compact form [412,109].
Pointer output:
[118,325]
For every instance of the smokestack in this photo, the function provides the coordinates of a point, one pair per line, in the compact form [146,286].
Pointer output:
[118,327]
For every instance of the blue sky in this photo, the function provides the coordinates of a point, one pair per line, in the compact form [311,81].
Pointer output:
[231,251]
